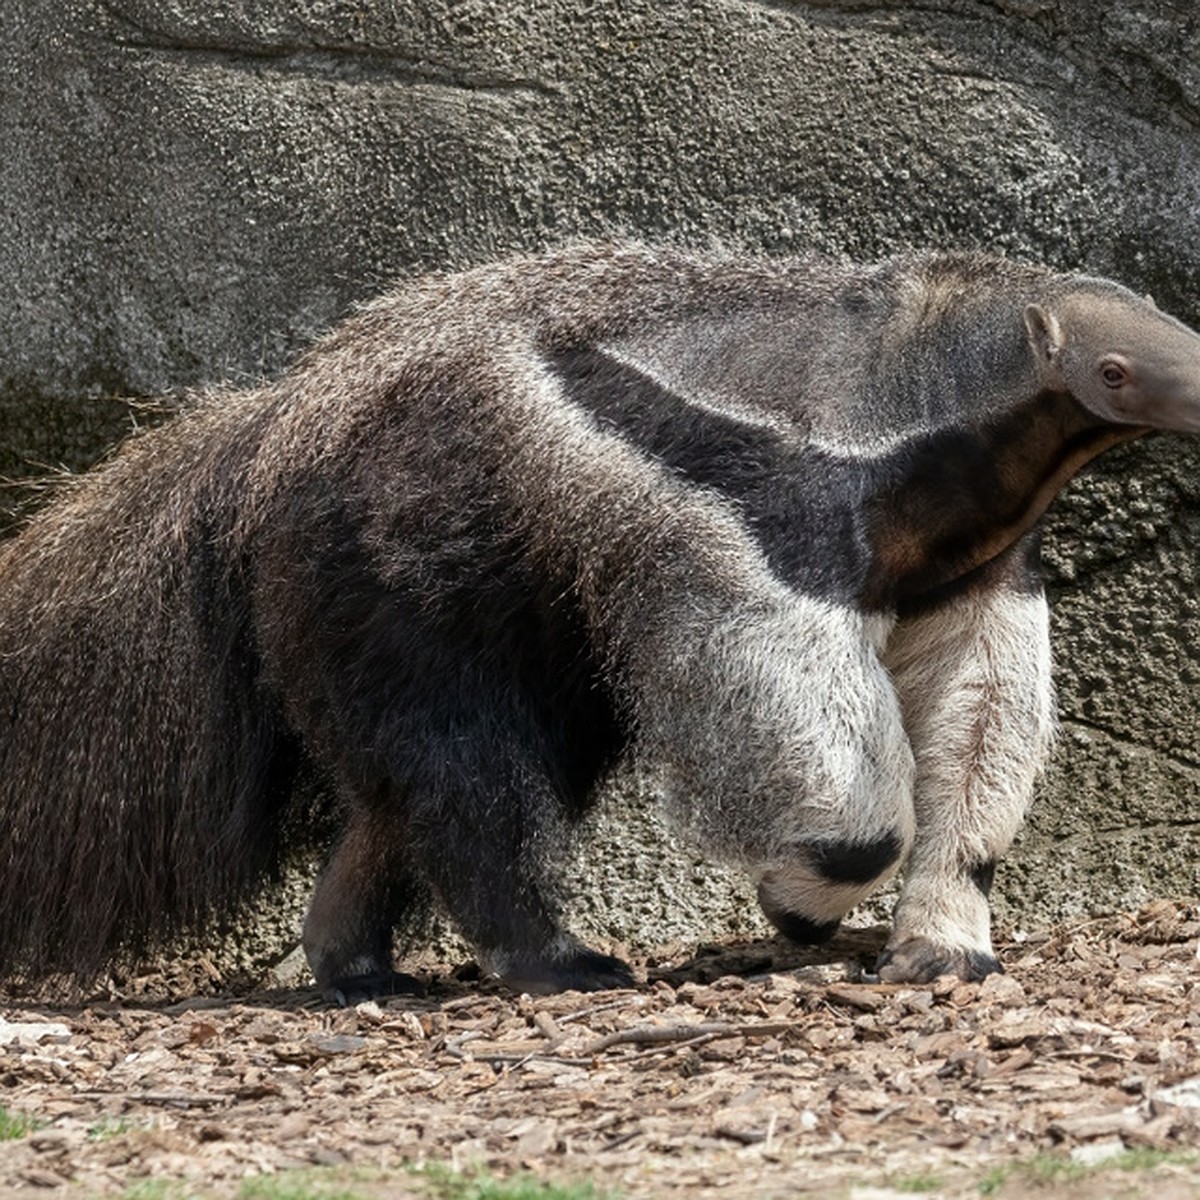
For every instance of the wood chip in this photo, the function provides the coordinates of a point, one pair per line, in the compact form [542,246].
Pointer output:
[789,1080]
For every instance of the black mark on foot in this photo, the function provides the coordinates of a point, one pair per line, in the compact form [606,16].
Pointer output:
[982,876]
[857,862]
[583,971]
[803,930]
[919,961]
[349,990]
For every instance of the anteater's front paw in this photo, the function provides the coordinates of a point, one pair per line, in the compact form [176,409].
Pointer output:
[804,931]
[918,960]
[580,971]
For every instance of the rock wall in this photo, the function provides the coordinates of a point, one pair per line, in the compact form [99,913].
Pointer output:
[190,191]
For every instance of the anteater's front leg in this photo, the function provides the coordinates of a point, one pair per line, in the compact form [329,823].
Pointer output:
[973,675]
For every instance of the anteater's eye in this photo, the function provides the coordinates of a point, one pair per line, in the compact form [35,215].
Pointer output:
[1113,374]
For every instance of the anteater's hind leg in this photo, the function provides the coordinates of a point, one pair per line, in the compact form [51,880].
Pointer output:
[973,675]
[475,812]
[363,892]
[485,846]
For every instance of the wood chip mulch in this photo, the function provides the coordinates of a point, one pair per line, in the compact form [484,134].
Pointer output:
[740,1071]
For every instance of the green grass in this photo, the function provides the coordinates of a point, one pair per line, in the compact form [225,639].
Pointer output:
[433,1182]
[109,1127]
[1145,1159]
[445,1184]
[1046,1170]
[993,1181]
[154,1189]
[916,1184]
[297,1185]
[16,1125]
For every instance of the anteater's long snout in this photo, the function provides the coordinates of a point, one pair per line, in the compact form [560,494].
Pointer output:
[1122,359]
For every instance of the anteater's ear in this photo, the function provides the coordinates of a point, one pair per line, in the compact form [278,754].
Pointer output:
[1045,335]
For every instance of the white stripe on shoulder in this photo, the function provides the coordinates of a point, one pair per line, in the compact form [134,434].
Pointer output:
[718,403]
[837,439]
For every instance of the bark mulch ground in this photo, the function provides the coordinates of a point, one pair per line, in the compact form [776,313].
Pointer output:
[744,1070]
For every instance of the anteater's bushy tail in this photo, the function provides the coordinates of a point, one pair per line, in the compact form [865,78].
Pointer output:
[142,767]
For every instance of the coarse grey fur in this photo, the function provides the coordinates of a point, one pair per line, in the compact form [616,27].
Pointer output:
[763,525]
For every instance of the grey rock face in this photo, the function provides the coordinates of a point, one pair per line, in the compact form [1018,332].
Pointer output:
[190,191]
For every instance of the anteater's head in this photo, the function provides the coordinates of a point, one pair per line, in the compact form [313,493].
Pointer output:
[1120,357]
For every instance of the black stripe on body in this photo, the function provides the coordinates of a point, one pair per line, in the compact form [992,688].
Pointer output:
[1017,570]
[948,508]
[803,507]
[902,530]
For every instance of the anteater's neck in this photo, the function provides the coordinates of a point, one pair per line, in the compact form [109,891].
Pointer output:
[953,500]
